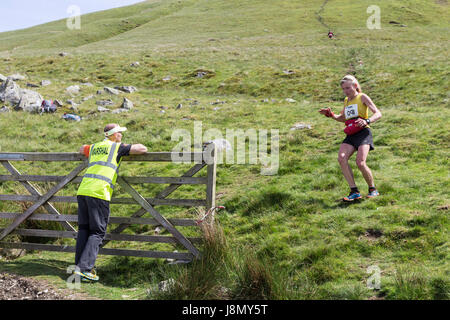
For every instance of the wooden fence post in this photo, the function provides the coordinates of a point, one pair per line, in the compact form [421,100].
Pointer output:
[211,153]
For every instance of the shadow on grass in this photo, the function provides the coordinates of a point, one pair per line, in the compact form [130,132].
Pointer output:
[36,267]
[120,272]
[127,272]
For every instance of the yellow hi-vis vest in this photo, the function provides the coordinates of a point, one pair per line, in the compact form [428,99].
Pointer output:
[101,175]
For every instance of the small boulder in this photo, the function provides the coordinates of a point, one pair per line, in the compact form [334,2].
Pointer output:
[58,103]
[108,102]
[102,109]
[166,285]
[30,101]
[72,90]
[127,89]
[5,109]
[120,110]
[10,91]
[45,83]
[127,104]
[111,90]
[300,126]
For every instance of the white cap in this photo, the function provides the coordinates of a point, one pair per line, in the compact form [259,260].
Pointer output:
[114,130]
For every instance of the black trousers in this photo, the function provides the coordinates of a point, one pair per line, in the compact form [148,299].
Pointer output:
[93,217]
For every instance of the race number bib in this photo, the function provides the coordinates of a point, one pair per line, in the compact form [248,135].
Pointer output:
[351,111]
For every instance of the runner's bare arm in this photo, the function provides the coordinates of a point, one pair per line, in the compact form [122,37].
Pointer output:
[138,149]
[340,118]
[369,103]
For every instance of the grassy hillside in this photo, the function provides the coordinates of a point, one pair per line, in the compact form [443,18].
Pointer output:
[317,247]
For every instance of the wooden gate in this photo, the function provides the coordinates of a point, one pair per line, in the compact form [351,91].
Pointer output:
[207,159]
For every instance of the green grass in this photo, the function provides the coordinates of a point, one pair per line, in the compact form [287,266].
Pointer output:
[287,236]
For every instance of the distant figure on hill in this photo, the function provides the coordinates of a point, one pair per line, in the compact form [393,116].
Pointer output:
[330,35]
[359,136]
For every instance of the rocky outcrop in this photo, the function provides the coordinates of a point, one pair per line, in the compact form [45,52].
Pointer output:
[21,99]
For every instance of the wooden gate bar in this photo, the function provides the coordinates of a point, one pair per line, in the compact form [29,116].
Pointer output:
[115,252]
[112,220]
[132,180]
[70,156]
[108,236]
[71,199]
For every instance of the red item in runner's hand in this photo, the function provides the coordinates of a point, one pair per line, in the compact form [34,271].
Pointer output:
[352,127]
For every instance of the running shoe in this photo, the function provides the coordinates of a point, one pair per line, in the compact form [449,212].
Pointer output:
[352,197]
[373,194]
[87,276]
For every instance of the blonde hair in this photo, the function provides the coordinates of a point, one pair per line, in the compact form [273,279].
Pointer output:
[351,78]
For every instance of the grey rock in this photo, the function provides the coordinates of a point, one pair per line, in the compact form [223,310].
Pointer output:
[5,109]
[72,103]
[45,83]
[127,104]
[10,91]
[63,54]
[87,98]
[179,106]
[127,89]
[300,126]
[108,102]
[2,78]
[72,90]
[290,100]
[100,92]
[32,85]
[218,102]
[58,103]
[120,110]
[102,109]
[167,78]
[30,101]
[87,84]
[135,64]
[166,285]
[111,90]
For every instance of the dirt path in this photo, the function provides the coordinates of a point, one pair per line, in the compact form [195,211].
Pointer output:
[13,287]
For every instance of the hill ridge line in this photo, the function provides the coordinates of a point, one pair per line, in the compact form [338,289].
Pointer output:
[182,5]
